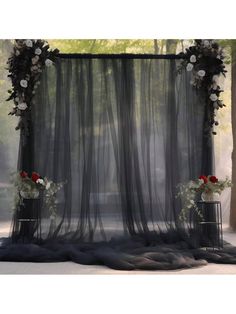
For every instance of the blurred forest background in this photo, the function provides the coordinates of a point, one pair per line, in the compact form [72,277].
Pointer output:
[9,137]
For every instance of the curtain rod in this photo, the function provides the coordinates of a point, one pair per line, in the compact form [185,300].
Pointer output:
[117,56]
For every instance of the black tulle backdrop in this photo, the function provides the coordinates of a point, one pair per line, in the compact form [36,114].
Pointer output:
[122,132]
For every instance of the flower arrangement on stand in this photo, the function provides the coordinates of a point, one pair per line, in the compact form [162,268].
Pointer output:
[25,66]
[29,187]
[205,60]
[209,187]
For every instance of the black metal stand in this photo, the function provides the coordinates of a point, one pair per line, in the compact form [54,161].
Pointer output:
[209,227]
[28,222]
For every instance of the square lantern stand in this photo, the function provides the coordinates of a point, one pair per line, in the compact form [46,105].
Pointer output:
[209,227]
[28,220]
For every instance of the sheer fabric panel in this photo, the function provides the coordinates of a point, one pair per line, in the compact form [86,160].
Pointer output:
[122,133]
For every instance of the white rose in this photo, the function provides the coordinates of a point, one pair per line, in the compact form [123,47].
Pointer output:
[201,181]
[189,67]
[29,43]
[193,59]
[213,97]
[40,181]
[38,51]
[22,106]
[206,43]
[23,83]
[48,185]
[48,62]
[201,73]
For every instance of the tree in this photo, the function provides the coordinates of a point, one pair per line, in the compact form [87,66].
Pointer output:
[233,106]
[8,136]
[103,46]
[171,45]
[155,46]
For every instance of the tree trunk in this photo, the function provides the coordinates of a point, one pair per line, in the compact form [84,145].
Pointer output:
[155,46]
[233,112]
[171,45]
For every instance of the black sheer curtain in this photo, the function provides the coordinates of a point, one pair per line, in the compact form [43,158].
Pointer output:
[122,132]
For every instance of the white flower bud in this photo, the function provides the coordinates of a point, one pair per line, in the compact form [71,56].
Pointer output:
[201,73]
[48,62]
[189,67]
[23,83]
[38,51]
[40,181]
[213,97]
[29,43]
[22,106]
[206,43]
[193,59]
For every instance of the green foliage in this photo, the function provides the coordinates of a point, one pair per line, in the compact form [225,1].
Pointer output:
[189,191]
[116,45]
[8,137]
[229,46]
[30,188]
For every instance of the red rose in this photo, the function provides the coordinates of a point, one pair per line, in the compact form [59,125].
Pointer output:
[23,174]
[204,178]
[35,176]
[213,179]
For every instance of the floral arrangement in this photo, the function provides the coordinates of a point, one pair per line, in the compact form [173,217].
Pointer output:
[205,59]
[188,192]
[31,186]
[25,66]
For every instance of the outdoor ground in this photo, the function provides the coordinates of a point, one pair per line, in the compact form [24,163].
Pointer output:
[71,268]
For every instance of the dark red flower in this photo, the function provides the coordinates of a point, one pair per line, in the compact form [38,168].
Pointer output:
[213,179]
[35,176]
[204,178]
[23,174]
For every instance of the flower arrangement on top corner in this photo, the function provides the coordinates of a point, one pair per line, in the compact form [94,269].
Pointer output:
[30,187]
[205,60]
[25,65]
[208,187]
